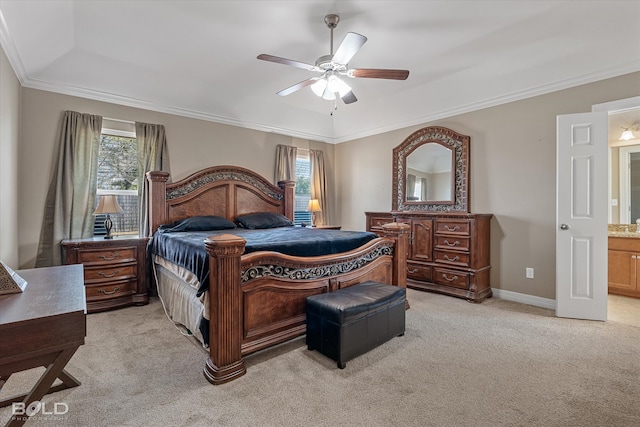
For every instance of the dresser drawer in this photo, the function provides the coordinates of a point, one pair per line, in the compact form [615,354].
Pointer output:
[454,258]
[453,226]
[418,271]
[453,278]
[106,255]
[109,273]
[458,243]
[376,222]
[110,290]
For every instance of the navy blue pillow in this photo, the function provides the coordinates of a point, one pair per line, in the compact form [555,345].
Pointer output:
[263,220]
[198,223]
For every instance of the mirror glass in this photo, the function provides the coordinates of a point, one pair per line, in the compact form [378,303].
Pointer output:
[431,171]
[624,167]
[429,174]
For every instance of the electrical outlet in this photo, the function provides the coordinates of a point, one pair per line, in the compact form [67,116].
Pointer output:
[529,273]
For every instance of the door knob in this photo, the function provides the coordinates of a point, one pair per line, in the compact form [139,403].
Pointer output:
[564,227]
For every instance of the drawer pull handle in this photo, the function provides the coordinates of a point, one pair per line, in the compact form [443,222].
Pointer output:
[116,289]
[456,243]
[455,258]
[103,274]
[413,271]
[449,279]
[104,257]
[456,228]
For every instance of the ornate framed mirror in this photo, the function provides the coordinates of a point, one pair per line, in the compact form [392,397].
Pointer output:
[431,171]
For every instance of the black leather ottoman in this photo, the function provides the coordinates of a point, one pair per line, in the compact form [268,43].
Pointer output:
[353,320]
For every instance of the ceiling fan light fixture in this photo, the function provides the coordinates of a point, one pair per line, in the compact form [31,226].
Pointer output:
[329,85]
[335,84]
[319,87]
[328,95]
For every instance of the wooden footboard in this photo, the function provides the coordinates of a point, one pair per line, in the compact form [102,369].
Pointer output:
[258,300]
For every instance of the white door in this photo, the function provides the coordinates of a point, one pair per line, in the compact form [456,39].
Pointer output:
[581,216]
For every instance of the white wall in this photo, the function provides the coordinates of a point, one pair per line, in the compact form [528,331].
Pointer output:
[9,136]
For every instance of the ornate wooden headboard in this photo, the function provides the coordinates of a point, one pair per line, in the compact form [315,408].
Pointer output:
[227,191]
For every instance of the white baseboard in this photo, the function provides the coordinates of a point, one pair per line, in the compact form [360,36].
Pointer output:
[524,298]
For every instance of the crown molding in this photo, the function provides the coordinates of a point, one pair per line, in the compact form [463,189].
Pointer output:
[11,51]
[493,102]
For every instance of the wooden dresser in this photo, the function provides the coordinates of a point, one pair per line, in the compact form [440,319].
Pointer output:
[114,270]
[448,252]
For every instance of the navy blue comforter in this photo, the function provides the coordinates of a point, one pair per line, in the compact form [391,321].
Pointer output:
[187,248]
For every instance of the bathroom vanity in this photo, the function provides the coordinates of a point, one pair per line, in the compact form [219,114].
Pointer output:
[624,262]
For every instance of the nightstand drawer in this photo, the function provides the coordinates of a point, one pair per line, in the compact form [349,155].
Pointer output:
[111,290]
[107,255]
[109,273]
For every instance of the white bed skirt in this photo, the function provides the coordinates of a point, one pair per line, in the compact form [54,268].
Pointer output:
[177,291]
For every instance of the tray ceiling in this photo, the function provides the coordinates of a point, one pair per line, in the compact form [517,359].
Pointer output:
[198,58]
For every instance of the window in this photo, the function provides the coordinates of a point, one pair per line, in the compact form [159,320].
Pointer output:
[418,191]
[303,188]
[118,174]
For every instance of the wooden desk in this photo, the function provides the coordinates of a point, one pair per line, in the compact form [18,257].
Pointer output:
[42,326]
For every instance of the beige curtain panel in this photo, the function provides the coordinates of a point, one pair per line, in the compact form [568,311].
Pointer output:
[319,187]
[285,163]
[153,155]
[68,210]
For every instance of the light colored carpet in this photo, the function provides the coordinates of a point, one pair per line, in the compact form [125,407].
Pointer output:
[498,363]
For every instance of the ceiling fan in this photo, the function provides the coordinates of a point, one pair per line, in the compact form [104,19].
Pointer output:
[329,85]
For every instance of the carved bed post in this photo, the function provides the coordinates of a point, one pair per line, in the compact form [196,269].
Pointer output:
[157,199]
[225,309]
[289,188]
[399,232]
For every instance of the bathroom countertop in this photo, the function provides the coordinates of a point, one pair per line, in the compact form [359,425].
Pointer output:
[628,234]
[623,230]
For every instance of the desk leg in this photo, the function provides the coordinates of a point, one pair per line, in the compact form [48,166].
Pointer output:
[3,381]
[43,386]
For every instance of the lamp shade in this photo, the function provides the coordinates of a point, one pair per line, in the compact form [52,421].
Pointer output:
[314,206]
[108,204]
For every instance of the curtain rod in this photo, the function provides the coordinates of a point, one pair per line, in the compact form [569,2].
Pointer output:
[119,120]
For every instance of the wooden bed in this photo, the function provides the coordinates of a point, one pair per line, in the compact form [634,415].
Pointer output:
[257,300]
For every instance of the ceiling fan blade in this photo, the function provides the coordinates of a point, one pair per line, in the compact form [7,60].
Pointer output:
[290,62]
[298,86]
[349,98]
[348,48]
[377,73]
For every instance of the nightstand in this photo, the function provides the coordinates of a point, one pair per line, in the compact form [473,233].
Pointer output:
[114,270]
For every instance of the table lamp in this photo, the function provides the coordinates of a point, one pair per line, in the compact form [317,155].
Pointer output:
[314,206]
[108,204]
